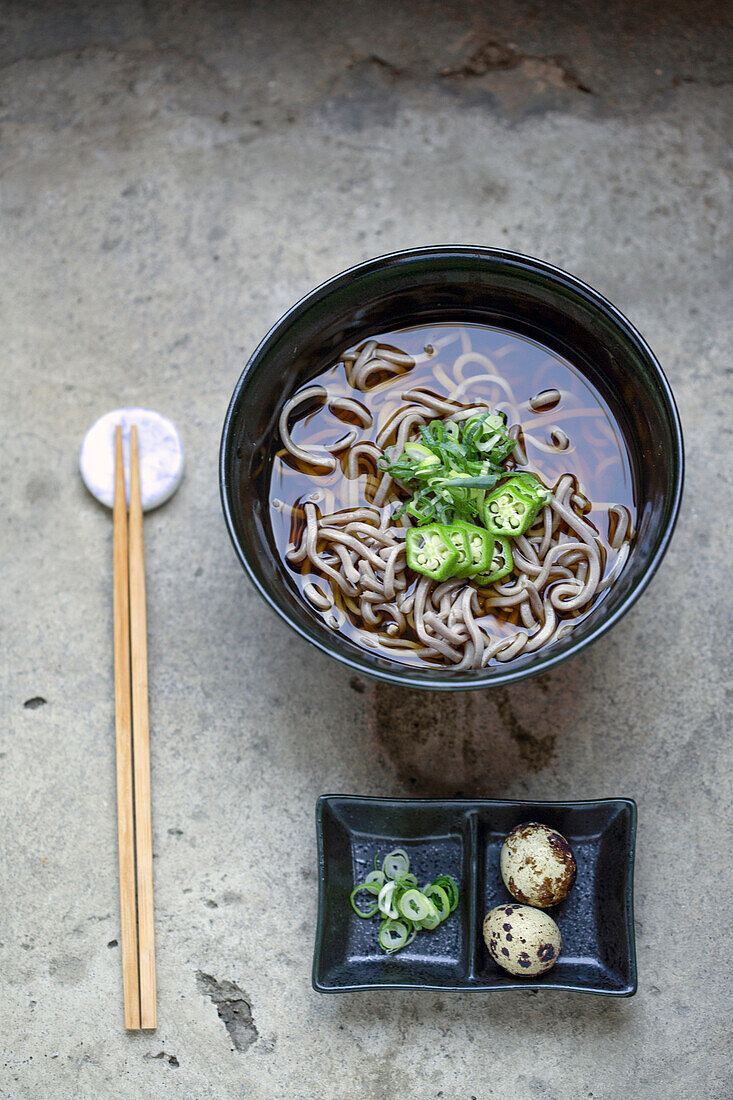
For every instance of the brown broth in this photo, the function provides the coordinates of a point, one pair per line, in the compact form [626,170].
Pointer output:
[596,454]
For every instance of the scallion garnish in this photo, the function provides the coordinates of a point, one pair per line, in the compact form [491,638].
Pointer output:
[374,881]
[370,909]
[396,864]
[452,468]
[404,909]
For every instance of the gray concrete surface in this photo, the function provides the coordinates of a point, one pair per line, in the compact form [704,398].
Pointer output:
[173,177]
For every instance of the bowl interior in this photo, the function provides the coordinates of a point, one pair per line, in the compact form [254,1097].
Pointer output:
[427,286]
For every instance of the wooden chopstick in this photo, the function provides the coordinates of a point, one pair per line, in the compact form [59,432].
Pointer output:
[123,726]
[141,744]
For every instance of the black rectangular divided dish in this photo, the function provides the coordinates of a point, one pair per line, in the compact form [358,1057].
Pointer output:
[464,839]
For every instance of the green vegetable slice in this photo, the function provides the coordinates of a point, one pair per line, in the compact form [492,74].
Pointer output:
[374,881]
[480,549]
[420,458]
[448,883]
[413,905]
[439,897]
[432,918]
[531,486]
[429,552]
[393,935]
[508,512]
[396,863]
[458,538]
[502,562]
[512,508]
[364,913]
[385,902]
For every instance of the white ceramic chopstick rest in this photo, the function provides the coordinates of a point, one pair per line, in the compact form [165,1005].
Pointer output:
[161,456]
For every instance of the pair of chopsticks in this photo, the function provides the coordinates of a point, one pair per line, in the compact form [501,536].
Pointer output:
[134,824]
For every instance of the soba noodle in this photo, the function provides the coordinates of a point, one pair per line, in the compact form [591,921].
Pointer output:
[349,549]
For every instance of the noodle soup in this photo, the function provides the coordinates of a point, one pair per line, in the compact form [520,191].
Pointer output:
[338,515]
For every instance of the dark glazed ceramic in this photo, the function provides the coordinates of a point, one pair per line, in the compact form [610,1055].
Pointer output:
[443,284]
[464,839]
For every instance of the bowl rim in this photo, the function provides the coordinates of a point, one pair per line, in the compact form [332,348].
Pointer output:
[473,804]
[403,674]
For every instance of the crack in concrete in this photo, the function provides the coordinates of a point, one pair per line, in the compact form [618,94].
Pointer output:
[381,62]
[164,1057]
[701,82]
[233,1008]
[492,56]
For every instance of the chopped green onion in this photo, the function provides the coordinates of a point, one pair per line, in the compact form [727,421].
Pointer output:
[374,881]
[404,909]
[432,917]
[384,901]
[453,467]
[364,913]
[449,885]
[396,864]
[437,895]
[413,905]
[393,935]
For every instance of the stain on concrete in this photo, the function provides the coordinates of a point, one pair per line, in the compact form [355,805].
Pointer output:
[362,95]
[39,489]
[443,745]
[233,1008]
[535,750]
[68,969]
[466,744]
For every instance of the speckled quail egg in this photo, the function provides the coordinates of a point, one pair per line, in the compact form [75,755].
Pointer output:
[537,865]
[522,940]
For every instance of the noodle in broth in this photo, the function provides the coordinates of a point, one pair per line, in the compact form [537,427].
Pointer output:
[332,505]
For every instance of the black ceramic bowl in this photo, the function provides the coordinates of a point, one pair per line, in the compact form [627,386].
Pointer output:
[427,285]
